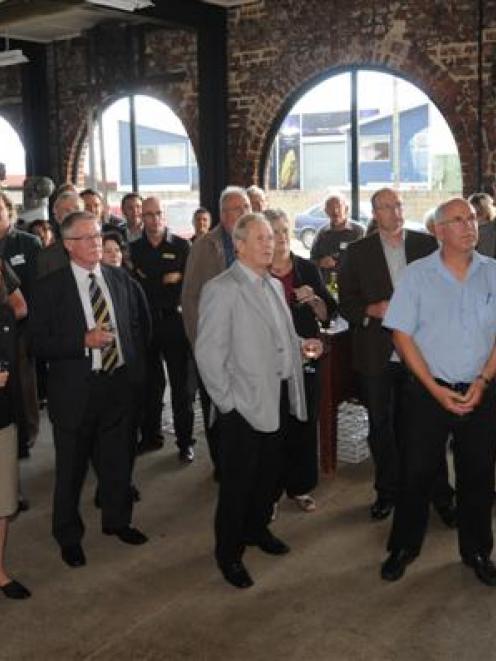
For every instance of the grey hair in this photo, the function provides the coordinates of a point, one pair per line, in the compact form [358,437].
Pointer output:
[67,195]
[72,218]
[273,215]
[243,223]
[440,210]
[228,191]
[256,190]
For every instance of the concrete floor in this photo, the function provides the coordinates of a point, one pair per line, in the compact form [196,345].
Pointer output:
[166,600]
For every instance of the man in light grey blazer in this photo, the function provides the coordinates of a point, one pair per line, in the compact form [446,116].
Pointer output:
[250,360]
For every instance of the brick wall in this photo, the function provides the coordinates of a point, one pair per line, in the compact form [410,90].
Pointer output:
[277,47]
[74,89]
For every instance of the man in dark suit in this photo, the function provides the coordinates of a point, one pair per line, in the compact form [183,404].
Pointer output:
[369,272]
[21,251]
[86,323]
[159,259]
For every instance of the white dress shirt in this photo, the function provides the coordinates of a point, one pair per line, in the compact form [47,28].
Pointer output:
[83,280]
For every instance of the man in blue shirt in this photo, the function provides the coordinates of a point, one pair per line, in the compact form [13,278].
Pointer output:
[443,317]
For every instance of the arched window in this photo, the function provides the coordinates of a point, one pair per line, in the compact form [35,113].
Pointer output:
[354,133]
[139,144]
[12,155]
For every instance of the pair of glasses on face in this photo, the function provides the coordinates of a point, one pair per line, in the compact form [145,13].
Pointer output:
[87,237]
[459,221]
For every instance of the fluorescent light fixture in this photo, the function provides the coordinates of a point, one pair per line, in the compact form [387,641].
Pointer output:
[10,57]
[124,5]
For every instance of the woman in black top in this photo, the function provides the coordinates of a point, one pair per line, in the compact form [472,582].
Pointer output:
[310,304]
[12,307]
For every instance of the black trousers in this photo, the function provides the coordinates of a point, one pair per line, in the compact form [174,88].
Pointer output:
[249,463]
[104,438]
[169,343]
[300,454]
[381,395]
[426,427]
[211,430]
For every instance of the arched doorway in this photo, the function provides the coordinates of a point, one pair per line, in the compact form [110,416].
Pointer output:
[14,158]
[353,133]
[139,144]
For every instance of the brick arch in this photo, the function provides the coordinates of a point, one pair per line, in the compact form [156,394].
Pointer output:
[77,142]
[454,100]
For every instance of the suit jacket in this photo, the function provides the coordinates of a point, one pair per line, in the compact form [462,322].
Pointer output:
[206,260]
[364,278]
[487,239]
[58,326]
[21,252]
[237,346]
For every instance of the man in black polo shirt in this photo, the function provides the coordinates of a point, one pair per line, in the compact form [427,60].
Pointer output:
[159,259]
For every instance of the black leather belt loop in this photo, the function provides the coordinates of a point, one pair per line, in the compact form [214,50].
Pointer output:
[460,387]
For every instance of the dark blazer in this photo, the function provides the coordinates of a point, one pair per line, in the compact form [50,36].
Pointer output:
[363,278]
[21,252]
[58,326]
[487,239]
[306,273]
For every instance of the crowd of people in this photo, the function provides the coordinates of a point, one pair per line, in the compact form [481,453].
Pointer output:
[93,306]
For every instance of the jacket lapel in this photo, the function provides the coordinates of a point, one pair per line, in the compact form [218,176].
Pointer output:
[379,264]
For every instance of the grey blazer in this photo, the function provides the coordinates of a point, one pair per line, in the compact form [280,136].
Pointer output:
[236,350]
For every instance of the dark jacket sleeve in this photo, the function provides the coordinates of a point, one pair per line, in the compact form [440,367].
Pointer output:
[306,273]
[54,332]
[352,305]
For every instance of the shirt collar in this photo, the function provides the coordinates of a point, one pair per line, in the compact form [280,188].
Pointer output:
[253,277]
[477,261]
[81,274]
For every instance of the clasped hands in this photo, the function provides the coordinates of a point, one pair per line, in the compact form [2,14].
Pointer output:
[458,403]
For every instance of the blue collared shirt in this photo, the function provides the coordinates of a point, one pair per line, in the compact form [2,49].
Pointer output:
[453,323]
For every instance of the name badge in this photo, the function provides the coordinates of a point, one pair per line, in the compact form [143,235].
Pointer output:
[168,255]
[343,245]
[17,260]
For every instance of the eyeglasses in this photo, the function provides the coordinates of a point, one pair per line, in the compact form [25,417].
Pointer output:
[459,221]
[152,214]
[390,207]
[86,237]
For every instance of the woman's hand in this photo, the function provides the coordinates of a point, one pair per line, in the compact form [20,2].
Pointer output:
[304,294]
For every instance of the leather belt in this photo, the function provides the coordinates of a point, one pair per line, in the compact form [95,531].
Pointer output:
[460,387]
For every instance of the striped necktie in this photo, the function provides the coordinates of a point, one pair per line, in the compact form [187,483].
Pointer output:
[101,314]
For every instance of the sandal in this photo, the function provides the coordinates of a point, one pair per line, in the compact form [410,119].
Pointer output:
[305,502]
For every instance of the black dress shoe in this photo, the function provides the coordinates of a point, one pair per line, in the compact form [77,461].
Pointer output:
[149,445]
[235,573]
[483,567]
[186,454]
[394,567]
[447,514]
[15,590]
[381,509]
[73,555]
[128,535]
[270,544]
